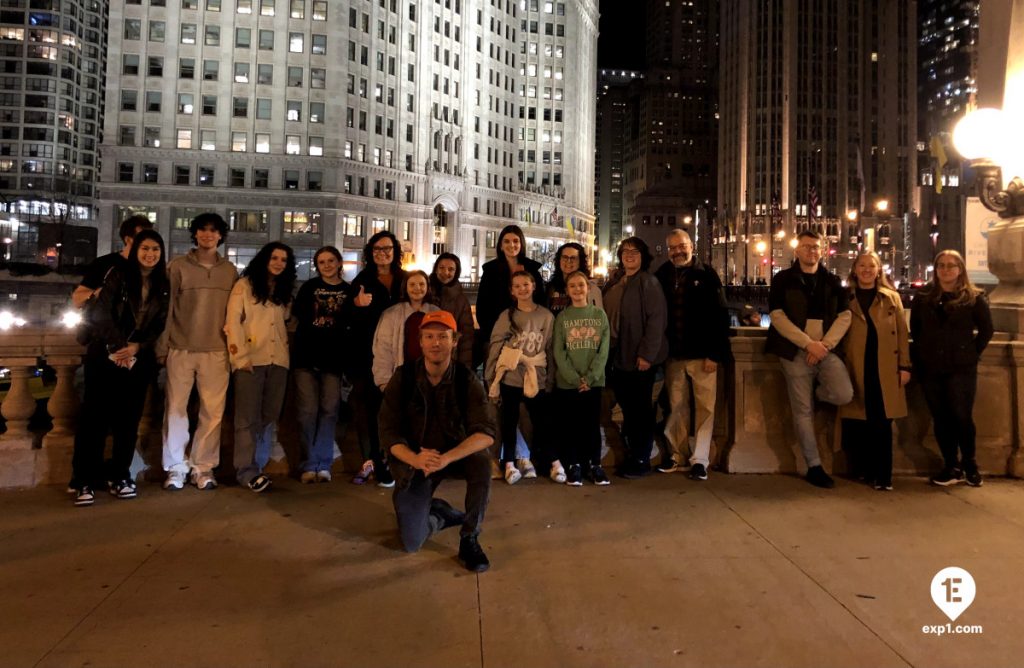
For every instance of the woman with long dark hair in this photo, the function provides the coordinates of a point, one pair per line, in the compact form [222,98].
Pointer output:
[449,296]
[120,364]
[637,317]
[495,293]
[950,325]
[877,354]
[397,339]
[319,353]
[375,288]
[570,258]
[258,352]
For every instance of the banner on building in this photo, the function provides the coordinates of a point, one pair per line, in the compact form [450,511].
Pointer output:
[978,220]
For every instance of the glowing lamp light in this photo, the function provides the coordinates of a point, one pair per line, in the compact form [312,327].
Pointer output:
[8,321]
[71,319]
[851,215]
[760,247]
[793,242]
[980,134]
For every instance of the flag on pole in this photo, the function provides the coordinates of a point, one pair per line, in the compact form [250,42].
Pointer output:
[939,153]
[812,203]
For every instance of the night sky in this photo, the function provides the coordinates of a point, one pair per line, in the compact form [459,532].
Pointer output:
[621,43]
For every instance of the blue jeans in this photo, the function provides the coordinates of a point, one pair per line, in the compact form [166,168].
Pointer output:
[317,397]
[259,395]
[834,387]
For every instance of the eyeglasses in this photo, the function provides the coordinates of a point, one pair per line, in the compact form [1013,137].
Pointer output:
[383,250]
[947,265]
[630,251]
[569,258]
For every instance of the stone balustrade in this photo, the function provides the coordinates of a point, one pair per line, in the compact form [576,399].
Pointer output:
[753,426]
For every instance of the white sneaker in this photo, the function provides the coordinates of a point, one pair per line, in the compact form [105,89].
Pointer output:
[526,466]
[323,476]
[512,474]
[204,480]
[308,477]
[175,480]
[558,474]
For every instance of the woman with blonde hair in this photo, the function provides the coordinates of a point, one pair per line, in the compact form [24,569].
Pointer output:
[877,353]
[951,325]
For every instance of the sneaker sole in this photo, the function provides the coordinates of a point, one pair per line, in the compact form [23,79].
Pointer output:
[603,483]
[975,484]
[82,504]
[574,484]
[946,483]
[386,485]
[174,488]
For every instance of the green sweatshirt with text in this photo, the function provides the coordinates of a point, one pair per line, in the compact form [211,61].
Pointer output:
[581,346]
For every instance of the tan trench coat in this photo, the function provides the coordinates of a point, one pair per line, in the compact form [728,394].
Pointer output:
[893,352]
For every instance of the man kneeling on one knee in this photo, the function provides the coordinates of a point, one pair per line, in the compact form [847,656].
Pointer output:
[437,424]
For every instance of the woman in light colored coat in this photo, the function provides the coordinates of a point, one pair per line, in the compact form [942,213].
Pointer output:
[399,328]
[877,353]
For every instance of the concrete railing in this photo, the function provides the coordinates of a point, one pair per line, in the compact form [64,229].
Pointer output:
[753,425]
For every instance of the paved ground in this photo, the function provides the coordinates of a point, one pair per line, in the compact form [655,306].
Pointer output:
[739,571]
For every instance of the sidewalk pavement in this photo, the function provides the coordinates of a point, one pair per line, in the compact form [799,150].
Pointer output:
[742,570]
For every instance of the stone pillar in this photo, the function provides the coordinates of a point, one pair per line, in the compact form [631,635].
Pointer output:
[19,405]
[63,404]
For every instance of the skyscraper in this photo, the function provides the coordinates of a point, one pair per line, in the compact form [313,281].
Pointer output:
[52,58]
[818,128]
[323,122]
[613,89]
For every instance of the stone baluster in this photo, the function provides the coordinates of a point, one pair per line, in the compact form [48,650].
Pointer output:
[63,403]
[19,405]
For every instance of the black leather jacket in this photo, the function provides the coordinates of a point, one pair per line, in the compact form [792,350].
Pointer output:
[943,337]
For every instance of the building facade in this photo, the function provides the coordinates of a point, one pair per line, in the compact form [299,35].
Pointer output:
[52,68]
[613,90]
[818,129]
[318,122]
[947,85]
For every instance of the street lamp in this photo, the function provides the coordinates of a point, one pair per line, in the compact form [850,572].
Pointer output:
[882,205]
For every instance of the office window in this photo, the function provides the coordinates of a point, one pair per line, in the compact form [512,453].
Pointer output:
[185,103]
[129,100]
[319,46]
[247,221]
[316,112]
[317,77]
[295,40]
[263,108]
[243,37]
[238,141]
[316,145]
[184,138]
[150,173]
[244,7]
[153,100]
[262,142]
[182,176]
[265,74]
[151,137]
[126,135]
[290,179]
[213,5]
[132,29]
[261,178]
[319,10]
[266,40]
[294,76]
[240,107]
[156,66]
[236,177]
[292,145]
[186,68]
[301,222]
[205,177]
[294,112]
[208,140]
[212,36]
[209,105]
[125,172]
[266,7]
[314,181]
[188,33]
[352,225]
[156,31]
[130,64]
[210,68]
[241,72]
[190,4]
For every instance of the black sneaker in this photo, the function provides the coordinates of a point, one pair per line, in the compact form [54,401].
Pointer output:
[84,496]
[472,555]
[122,489]
[384,477]
[634,470]
[698,472]
[883,485]
[816,476]
[948,477]
[449,516]
[598,476]
[574,475]
[973,477]
[260,483]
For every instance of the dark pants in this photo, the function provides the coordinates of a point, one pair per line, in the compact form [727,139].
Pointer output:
[511,398]
[951,402]
[579,420]
[868,446]
[114,399]
[633,393]
[414,492]
[365,400]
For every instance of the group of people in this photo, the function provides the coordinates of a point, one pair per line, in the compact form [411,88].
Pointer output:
[405,344]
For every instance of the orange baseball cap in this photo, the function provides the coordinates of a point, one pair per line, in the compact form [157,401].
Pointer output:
[443,318]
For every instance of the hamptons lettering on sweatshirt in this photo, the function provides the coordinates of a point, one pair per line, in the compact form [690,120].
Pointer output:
[582,333]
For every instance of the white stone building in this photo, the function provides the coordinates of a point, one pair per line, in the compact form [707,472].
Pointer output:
[320,122]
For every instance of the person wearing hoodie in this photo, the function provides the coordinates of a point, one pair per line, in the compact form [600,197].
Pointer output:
[397,339]
[637,316]
[195,352]
[374,289]
[448,296]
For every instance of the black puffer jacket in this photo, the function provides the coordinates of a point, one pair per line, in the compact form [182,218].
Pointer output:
[120,318]
[363,319]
